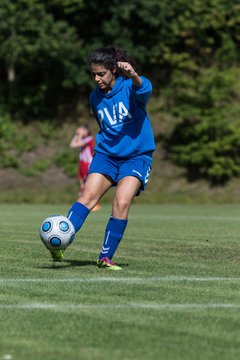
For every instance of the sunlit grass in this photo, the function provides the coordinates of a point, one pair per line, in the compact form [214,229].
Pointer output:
[176,298]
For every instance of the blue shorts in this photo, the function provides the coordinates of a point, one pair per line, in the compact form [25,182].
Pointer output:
[117,169]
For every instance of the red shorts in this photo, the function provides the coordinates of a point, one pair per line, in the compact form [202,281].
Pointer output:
[83,170]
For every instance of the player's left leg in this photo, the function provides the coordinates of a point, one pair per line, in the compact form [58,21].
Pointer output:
[126,190]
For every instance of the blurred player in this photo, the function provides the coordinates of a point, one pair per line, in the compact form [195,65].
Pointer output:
[84,142]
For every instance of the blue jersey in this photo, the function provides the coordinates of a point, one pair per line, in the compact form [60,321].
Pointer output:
[125,129]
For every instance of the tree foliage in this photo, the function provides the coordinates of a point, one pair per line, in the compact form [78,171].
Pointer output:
[207,140]
[190,50]
[36,70]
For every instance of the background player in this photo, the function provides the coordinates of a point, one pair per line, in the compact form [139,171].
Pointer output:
[84,142]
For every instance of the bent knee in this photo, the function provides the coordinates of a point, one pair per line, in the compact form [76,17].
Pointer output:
[89,199]
[121,207]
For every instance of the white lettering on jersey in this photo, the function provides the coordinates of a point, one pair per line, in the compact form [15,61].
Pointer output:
[112,118]
[100,116]
[123,111]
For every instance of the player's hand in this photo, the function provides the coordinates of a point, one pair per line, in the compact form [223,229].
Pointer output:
[126,69]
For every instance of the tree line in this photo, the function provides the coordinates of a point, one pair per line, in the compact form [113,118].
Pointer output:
[189,50]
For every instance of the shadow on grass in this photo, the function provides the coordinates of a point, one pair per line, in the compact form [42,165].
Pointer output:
[81,263]
[87,263]
[68,263]
[72,263]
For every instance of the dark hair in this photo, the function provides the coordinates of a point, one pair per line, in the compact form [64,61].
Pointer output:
[109,56]
[86,126]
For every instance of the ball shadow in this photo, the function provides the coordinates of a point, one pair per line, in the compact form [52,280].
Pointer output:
[80,263]
[67,263]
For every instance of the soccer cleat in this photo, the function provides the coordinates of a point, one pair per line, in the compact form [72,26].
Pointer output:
[57,255]
[106,263]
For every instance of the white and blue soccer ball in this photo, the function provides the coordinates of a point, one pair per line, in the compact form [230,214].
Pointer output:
[57,232]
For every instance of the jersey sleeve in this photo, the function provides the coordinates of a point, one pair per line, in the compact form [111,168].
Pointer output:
[87,140]
[143,91]
[92,101]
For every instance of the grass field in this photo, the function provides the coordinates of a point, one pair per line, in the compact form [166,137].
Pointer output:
[178,296]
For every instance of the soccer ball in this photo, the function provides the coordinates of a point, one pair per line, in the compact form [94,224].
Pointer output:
[57,232]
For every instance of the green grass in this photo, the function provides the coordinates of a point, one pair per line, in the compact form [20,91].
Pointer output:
[176,298]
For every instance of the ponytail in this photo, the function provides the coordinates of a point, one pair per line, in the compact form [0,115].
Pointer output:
[122,55]
[109,56]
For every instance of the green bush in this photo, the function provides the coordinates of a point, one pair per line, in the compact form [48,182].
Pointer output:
[68,161]
[48,129]
[6,128]
[7,137]
[15,139]
[25,141]
[207,139]
[36,168]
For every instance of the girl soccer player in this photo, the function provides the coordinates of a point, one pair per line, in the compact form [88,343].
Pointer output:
[124,145]
[84,142]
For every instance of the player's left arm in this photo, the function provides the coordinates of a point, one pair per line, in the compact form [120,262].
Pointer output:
[129,72]
[141,85]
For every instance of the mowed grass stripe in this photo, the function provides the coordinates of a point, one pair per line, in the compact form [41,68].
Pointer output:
[132,280]
[147,306]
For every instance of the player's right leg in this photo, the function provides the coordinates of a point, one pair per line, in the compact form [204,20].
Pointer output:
[96,185]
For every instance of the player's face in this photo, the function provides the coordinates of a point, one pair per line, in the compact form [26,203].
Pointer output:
[104,78]
[79,131]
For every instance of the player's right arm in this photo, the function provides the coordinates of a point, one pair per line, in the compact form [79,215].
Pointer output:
[77,140]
